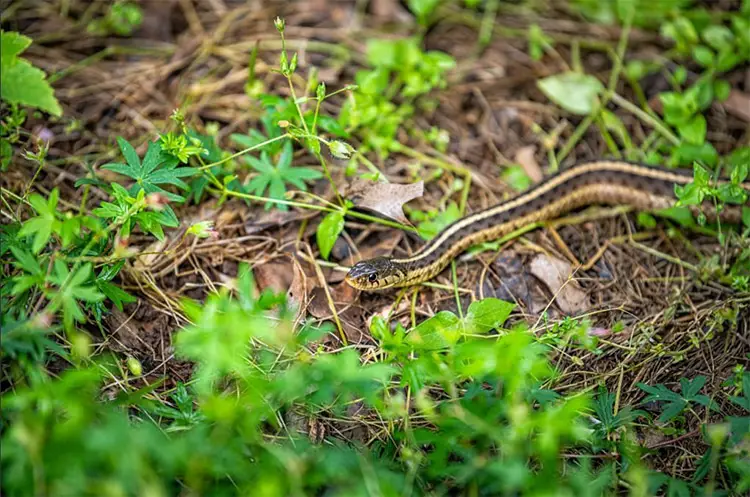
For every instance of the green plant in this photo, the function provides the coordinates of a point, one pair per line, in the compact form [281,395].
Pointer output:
[676,403]
[20,82]
[274,177]
[702,188]
[157,168]
[610,421]
[642,12]
[399,68]
[122,18]
[459,403]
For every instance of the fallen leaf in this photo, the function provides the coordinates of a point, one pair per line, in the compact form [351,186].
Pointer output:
[297,295]
[390,10]
[738,104]
[508,279]
[555,274]
[525,157]
[387,199]
[277,276]
[343,296]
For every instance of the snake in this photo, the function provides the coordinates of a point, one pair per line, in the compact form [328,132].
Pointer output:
[604,182]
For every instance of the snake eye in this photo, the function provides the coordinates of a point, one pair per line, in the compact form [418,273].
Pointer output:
[372,277]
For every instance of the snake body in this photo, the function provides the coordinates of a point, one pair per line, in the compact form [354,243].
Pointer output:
[607,182]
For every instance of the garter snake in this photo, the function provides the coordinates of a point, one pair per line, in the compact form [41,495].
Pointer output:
[610,182]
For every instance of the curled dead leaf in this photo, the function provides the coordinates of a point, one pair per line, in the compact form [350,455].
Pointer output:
[297,294]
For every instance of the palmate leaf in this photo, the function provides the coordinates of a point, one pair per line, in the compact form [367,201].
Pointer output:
[677,402]
[45,223]
[157,168]
[72,288]
[275,177]
[604,408]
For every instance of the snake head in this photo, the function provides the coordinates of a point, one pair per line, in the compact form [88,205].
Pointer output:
[374,274]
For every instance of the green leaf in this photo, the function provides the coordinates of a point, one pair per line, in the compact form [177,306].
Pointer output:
[422,8]
[429,229]
[26,261]
[731,194]
[703,56]
[20,82]
[487,314]
[646,220]
[438,332]
[740,172]
[675,403]
[681,215]
[275,177]
[694,130]
[690,194]
[701,176]
[131,156]
[11,45]
[575,92]
[117,295]
[538,41]
[744,401]
[70,289]
[158,168]
[722,89]
[678,108]
[688,153]
[328,232]
[43,225]
[516,177]
[718,37]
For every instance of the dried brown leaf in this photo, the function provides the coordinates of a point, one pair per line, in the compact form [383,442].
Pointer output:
[525,157]
[387,199]
[555,274]
[277,276]
[738,104]
[298,289]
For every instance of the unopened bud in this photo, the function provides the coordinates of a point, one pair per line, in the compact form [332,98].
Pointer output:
[279,24]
